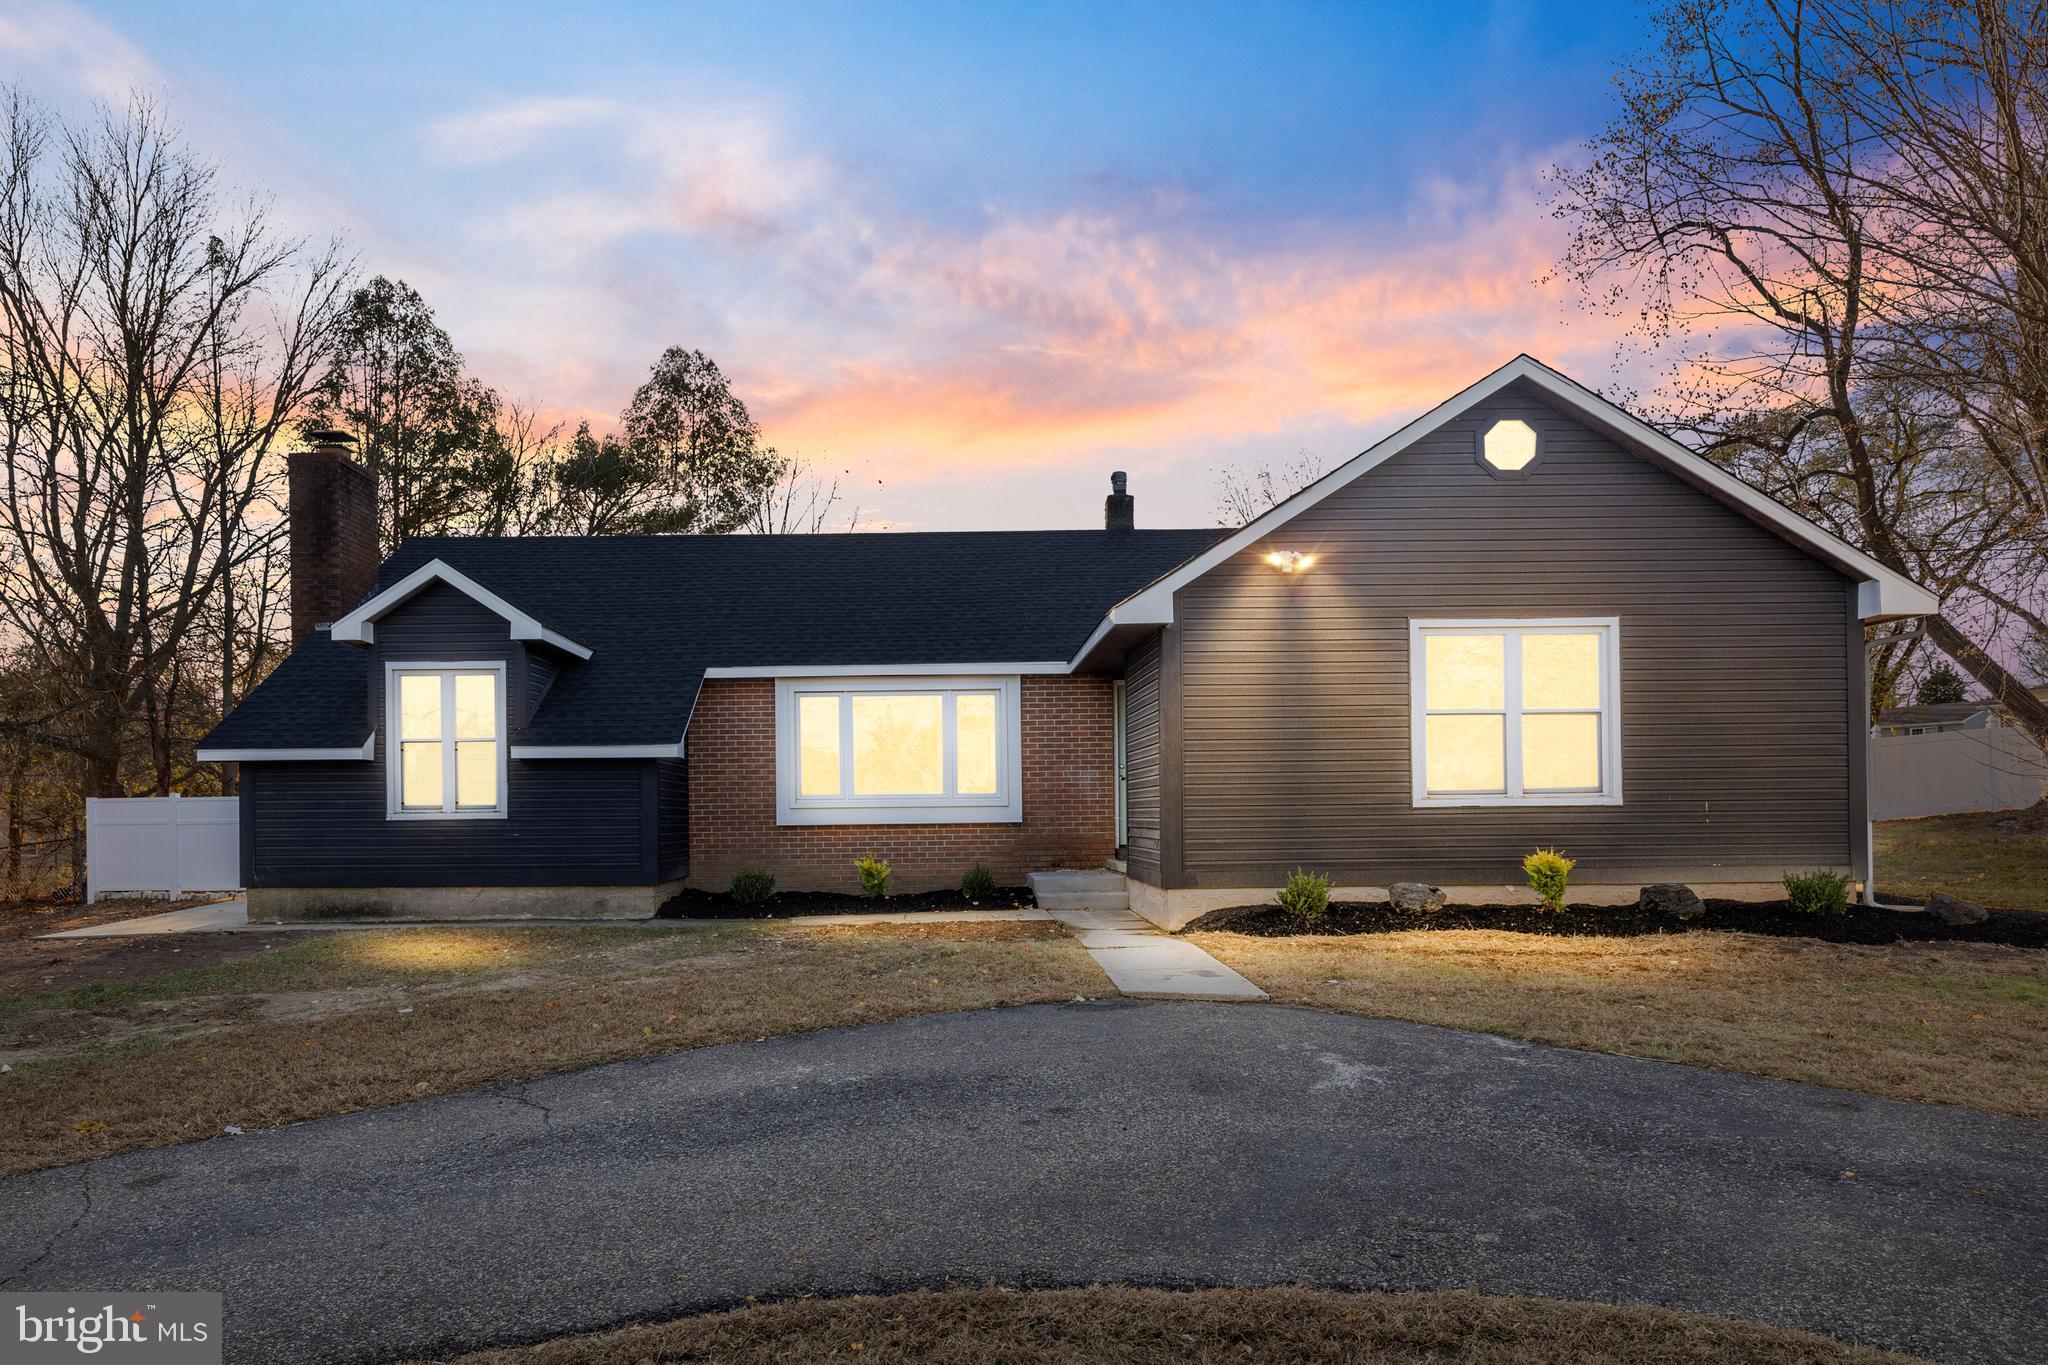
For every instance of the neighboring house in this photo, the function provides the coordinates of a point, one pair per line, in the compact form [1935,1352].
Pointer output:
[1942,717]
[1525,618]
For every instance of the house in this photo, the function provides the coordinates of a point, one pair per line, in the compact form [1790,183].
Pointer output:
[1525,618]
[1942,717]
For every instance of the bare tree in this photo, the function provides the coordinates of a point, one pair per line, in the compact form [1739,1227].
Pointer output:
[1753,197]
[510,481]
[155,344]
[799,501]
[1244,494]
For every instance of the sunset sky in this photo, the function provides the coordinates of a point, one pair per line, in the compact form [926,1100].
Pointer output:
[979,255]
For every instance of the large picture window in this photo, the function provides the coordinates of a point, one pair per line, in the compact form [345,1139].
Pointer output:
[446,752]
[897,751]
[1512,712]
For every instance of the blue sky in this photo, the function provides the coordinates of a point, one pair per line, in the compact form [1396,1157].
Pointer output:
[979,255]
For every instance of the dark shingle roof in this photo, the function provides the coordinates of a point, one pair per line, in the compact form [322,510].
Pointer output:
[656,611]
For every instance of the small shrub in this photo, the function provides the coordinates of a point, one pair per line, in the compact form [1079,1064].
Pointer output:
[874,877]
[979,884]
[751,885]
[1306,896]
[1817,892]
[1548,871]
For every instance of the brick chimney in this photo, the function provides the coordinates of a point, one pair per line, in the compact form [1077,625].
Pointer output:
[333,511]
[1119,511]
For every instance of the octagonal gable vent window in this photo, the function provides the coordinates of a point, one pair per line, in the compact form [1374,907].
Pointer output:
[1510,445]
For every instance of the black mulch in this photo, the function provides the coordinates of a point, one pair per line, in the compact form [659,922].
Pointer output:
[2017,928]
[784,904]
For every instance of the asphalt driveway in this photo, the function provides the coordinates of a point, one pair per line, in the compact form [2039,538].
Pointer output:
[1157,1143]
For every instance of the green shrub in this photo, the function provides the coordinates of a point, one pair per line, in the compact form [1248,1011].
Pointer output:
[1817,892]
[1306,896]
[1548,871]
[751,884]
[979,884]
[874,876]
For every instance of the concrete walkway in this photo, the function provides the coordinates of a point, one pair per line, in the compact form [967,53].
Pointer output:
[1142,961]
[1165,1143]
[193,919]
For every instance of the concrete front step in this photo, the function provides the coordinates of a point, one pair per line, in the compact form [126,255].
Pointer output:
[1083,900]
[1080,889]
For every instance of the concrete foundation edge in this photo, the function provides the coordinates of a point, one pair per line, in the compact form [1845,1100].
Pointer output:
[304,904]
[1176,909]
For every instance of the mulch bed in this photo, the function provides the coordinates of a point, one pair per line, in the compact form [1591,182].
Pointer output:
[2015,928]
[784,904]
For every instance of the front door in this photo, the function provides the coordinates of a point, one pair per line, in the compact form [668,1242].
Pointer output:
[1123,809]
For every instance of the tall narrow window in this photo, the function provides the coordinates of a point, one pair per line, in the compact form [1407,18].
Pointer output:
[1516,711]
[902,751]
[447,752]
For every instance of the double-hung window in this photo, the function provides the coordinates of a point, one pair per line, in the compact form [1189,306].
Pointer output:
[897,751]
[1514,712]
[447,749]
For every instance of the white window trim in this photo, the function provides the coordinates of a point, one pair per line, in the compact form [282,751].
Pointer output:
[1609,628]
[1004,806]
[394,775]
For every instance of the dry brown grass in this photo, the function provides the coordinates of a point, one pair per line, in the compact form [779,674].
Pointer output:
[349,1021]
[1964,855]
[1243,1326]
[1957,1024]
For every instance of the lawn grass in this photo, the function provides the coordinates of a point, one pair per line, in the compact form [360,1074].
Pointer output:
[1155,1326]
[354,1020]
[1946,1023]
[342,960]
[1964,855]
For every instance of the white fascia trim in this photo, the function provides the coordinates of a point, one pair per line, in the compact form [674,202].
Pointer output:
[954,670]
[359,626]
[1142,610]
[1881,593]
[361,754]
[544,751]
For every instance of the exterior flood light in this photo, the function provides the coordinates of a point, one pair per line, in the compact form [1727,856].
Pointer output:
[1290,561]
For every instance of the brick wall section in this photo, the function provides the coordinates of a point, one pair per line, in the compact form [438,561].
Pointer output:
[333,512]
[1069,799]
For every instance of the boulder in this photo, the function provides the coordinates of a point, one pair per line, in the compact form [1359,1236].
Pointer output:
[1671,898]
[1417,898]
[1955,910]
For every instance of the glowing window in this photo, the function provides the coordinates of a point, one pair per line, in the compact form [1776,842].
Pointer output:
[904,751]
[1511,711]
[1510,445]
[447,749]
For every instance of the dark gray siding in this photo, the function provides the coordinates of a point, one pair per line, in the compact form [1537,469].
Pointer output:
[1141,760]
[672,786]
[1293,691]
[570,822]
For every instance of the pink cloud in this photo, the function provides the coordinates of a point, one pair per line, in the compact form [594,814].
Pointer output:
[1036,341]
[865,330]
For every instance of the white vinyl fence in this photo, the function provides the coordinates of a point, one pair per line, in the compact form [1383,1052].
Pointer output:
[1989,768]
[172,844]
